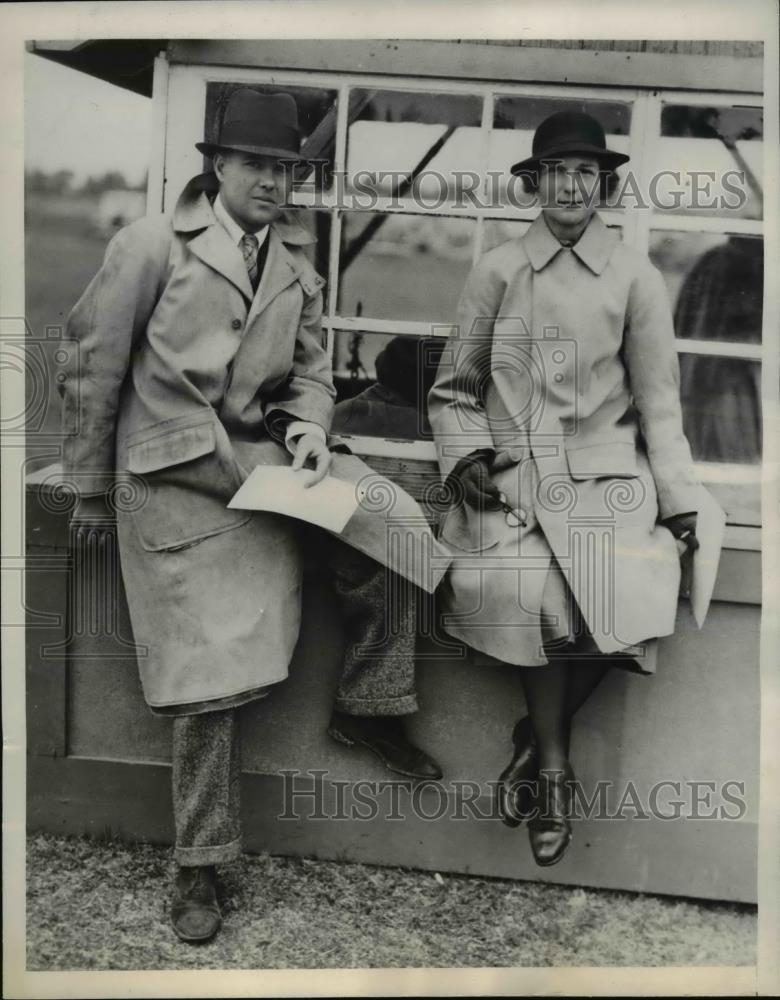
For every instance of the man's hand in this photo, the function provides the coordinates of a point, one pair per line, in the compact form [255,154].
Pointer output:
[478,490]
[89,513]
[310,448]
[91,510]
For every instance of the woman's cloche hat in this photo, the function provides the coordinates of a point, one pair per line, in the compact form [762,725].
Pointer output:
[566,133]
[263,124]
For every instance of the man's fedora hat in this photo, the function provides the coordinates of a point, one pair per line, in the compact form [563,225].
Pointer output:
[263,124]
[564,134]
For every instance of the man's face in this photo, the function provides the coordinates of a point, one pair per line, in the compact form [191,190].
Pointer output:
[253,188]
[569,189]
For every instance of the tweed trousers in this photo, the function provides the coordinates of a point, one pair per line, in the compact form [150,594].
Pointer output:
[379,612]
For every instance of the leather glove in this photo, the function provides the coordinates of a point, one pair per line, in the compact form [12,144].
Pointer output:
[474,475]
[683,527]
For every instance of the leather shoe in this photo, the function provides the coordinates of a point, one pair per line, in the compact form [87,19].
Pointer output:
[549,830]
[195,913]
[385,736]
[516,783]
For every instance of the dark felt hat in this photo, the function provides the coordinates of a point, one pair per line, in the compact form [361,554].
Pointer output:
[263,124]
[565,134]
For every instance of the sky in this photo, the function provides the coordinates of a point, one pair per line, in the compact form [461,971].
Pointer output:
[76,122]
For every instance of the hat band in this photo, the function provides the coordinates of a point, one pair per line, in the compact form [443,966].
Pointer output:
[271,136]
[572,146]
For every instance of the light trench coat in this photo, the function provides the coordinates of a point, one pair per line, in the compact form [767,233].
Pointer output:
[179,367]
[563,365]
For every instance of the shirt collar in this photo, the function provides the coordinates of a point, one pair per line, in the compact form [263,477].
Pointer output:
[234,231]
[594,247]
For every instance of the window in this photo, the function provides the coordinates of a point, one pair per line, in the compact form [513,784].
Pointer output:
[437,153]
[706,237]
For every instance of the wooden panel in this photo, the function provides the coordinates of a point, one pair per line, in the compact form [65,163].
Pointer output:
[470,60]
[696,720]
[709,860]
[712,48]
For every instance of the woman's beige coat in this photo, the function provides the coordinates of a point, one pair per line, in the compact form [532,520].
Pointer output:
[563,364]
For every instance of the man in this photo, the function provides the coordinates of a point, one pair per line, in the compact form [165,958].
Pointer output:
[201,356]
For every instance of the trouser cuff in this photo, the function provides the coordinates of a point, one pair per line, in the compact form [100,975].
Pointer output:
[217,854]
[404,705]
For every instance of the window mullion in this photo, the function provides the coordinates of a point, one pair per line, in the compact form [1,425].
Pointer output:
[339,171]
[645,128]
[486,127]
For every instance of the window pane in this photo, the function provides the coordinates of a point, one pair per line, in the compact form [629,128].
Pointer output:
[382,384]
[407,267]
[514,121]
[316,121]
[715,284]
[717,153]
[721,400]
[498,231]
[423,139]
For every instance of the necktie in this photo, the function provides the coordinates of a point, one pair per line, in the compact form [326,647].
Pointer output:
[249,248]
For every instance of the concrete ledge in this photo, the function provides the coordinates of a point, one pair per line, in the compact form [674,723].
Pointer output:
[132,801]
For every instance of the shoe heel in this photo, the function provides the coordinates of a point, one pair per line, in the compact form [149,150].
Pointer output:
[339,737]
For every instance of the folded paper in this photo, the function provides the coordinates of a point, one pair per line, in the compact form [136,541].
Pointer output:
[363,508]
[710,527]
[329,503]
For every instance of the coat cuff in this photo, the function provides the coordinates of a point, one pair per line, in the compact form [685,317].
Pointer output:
[680,500]
[297,428]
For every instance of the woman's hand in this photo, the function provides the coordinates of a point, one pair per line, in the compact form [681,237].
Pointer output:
[683,527]
[479,491]
[311,448]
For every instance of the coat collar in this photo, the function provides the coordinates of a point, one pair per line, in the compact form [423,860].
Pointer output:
[193,211]
[194,216]
[594,247]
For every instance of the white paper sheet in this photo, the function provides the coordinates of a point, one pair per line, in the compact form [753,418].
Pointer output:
[328,504]
[710,525]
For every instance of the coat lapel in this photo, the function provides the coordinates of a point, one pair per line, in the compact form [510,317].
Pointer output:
[280,271]
[215,249]
[194,213]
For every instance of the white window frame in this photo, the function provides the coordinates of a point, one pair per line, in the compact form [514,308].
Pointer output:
[184,95]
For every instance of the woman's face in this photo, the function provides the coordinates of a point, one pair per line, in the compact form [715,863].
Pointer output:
[569,190]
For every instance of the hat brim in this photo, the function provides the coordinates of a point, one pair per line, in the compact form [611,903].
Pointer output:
[210,149]
[608,158]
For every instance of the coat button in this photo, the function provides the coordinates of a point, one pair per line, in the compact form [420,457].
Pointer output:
[236,324]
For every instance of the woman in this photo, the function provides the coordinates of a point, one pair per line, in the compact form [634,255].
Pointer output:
[557,421]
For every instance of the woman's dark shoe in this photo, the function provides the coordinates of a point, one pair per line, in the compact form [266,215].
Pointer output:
[385,736]
[195,913]
[549,830]
[517,782]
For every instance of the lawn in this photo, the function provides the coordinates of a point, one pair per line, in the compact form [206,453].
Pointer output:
[63,251]
[104,906]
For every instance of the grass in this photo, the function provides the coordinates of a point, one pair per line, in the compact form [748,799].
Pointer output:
[103,906]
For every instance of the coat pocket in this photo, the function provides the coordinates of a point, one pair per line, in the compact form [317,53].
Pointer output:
[605,459]
[190,474]
[171,443]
